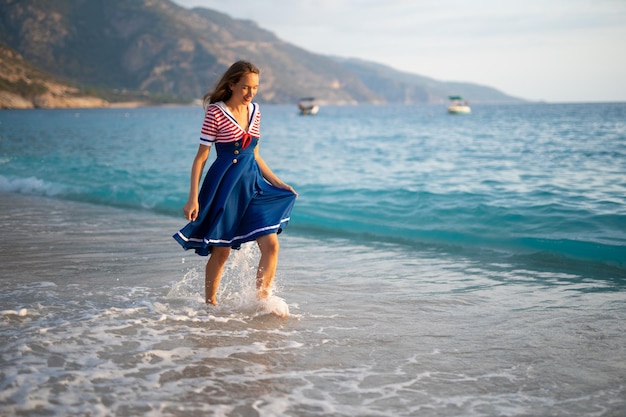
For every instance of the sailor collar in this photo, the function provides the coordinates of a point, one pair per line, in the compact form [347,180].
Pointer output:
[252,109]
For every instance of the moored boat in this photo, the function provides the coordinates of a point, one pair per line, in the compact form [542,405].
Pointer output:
[458,105]
[308,106]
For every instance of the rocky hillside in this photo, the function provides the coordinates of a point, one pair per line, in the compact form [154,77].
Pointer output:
[157,48]
[23,86]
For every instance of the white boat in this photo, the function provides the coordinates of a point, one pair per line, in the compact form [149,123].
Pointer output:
[458,105]
[308,106]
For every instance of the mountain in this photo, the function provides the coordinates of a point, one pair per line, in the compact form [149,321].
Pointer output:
[169,53]
[403,87]
[24,86]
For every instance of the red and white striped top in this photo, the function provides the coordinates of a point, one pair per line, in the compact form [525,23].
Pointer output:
[221,126]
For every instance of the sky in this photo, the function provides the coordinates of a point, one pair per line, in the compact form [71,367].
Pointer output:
[551,50]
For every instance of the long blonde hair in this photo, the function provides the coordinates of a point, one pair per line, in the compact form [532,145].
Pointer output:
[222,91]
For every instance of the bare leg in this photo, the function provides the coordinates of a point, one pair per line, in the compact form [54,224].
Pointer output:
[268,244]
[213,272]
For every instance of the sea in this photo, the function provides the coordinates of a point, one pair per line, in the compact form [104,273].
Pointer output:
[434,265]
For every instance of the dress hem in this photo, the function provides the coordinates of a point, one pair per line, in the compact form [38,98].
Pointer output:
[202,246]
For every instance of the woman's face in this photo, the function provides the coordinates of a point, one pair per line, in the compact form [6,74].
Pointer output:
[245,90]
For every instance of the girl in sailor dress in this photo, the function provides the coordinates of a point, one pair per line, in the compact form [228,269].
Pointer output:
[241,199]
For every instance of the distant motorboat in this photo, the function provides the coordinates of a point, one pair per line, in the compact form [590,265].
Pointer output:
[458,105]
[308,106]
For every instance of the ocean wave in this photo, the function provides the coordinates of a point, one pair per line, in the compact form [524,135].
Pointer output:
[112,194]
[451,222]
[464,221]
[34,186]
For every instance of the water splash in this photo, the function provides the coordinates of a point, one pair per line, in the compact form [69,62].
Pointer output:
[237,290]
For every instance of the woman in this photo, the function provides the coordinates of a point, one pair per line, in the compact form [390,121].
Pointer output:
[241,199]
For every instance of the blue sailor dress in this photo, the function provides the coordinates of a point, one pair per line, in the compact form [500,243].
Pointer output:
[236,204]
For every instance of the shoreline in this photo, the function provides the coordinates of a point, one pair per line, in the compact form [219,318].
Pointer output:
[107,105]
[142,104]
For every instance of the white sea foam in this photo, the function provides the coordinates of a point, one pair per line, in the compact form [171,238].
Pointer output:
[20,313]
[141,356]
[32,186]
[274,305]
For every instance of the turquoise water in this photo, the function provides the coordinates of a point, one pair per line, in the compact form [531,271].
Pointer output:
[435,265]
[526,179]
